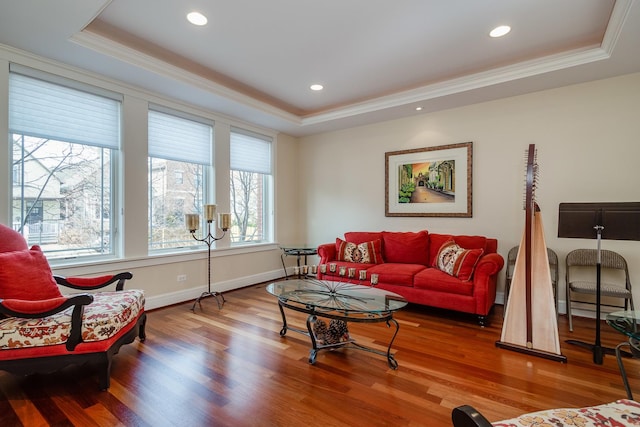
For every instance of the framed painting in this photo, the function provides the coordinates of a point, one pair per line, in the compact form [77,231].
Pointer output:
[432,181]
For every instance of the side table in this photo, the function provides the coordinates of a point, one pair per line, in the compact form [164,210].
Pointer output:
[626,322]
[298,251]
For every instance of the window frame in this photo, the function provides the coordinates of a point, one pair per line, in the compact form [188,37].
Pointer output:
[112,149]
[268,186]
[207,177]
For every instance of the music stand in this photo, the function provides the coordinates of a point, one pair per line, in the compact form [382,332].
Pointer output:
[608,220]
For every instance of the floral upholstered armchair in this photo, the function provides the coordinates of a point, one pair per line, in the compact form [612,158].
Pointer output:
[622,412]
[42,330]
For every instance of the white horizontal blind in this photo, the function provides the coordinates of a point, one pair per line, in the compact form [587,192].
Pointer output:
[46,110]
[176,138]
[250,152]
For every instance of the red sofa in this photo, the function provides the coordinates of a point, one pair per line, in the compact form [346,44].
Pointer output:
[407,263]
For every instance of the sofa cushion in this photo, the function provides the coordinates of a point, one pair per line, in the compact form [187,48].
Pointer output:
[395,273]
[364,253]
[102,319]
[26,275]
[406,247]
[456,260]
[468,242]
[439,281]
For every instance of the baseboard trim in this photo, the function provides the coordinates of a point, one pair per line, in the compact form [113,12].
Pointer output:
[170,298]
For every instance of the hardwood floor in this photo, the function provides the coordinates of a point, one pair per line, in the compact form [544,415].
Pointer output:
[230,367]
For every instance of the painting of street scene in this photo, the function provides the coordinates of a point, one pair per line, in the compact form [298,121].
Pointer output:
[427,182]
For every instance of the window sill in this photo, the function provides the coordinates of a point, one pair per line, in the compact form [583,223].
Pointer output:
[106,266]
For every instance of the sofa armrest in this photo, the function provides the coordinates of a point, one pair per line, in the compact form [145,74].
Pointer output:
[327,252]
[92,283]
[43,308]
[490,264]
[485,278]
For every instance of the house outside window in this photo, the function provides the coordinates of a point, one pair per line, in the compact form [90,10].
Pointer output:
[65,142]
[180,164]
[251,190]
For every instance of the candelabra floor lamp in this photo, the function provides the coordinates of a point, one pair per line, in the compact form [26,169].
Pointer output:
[193,223]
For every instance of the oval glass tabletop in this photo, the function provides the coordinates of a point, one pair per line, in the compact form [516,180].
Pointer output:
[346,297]
[626,322]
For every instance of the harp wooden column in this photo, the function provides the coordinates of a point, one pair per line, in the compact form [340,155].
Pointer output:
[530,323]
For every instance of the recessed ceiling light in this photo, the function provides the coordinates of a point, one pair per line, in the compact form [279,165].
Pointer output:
[316,87]
[500,31]
[418,108]
[196,18]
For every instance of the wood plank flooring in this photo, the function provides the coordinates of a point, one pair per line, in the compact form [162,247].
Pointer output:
[230,367]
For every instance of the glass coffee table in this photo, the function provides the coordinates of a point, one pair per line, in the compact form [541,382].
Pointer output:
[628,323]
[341,303]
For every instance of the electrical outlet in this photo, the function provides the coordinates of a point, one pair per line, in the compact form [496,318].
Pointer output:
[182,277]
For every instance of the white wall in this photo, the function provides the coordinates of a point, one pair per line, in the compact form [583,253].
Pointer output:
[588,142]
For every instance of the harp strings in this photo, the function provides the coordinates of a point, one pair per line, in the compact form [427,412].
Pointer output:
[531,177]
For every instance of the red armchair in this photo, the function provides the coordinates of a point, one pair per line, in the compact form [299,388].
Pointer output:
[42,330]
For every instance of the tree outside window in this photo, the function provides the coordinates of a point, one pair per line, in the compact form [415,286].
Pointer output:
[61,200]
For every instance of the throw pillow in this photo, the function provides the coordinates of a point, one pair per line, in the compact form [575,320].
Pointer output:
[364,253]
[26,275]
[457,261]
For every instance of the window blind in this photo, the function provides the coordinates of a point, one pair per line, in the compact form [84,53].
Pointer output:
[250,152]
[176,138]
[43,109]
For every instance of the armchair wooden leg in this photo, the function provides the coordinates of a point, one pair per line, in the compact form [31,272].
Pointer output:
[142,324]
[104,373]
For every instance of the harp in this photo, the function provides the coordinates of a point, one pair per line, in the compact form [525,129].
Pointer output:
[530,323]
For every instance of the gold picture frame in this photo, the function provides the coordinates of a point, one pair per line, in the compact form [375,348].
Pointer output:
[431,181]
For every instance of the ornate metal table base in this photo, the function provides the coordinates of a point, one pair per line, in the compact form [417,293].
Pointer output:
[209,294]
[634,346]
[386,317]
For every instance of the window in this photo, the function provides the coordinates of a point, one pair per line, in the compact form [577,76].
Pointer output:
[65,140]
[179,167]
[251,187]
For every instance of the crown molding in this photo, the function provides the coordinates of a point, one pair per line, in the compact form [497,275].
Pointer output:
[139,59]
[463,84]
[450,87]
[495,76]
[471,82]
[619,15]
